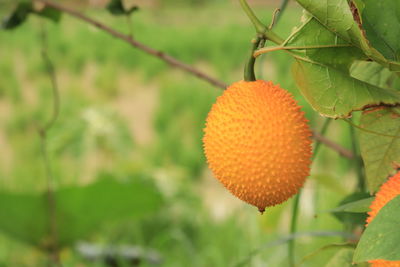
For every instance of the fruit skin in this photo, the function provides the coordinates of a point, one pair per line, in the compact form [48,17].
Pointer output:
[389,190]
[257,143]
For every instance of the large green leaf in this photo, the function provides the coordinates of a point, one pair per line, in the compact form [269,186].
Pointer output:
[313,33]
[381,21]
[334,93]
[381,154]
[79,210]
[381,239]
[323,74]
[24,217]
[338,18]
[375,74]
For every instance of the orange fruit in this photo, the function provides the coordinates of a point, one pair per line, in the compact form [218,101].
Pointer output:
[389,190]
[257,143]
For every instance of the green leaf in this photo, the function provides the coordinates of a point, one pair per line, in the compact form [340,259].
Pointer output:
[49,13]
[381,239]
[381,21]
[358,206]
[381,154]
[313,33]
[18,16]
[82,209]
[336,16]
[323,74]
[79,210]
[334,93]
[342,258]
[350,211]
[375,74]
[24,217]
[22,11]
[116,7]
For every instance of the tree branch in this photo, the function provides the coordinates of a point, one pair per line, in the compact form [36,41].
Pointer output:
[151,51]
[339,149]
[173,62]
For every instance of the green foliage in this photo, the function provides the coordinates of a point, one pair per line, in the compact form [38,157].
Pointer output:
[180,143]
[381,238]
[18,16]
[344,258]
[22,11]
[322,73]
[116,7]
[336,94]
[351,211]
[79,210]
[357,206]
[381,154]
[381,22]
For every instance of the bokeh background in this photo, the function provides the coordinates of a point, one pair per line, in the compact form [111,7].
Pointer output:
[128,118]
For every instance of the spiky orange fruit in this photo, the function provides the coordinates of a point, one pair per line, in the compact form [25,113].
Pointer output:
[387,192]
[257,143]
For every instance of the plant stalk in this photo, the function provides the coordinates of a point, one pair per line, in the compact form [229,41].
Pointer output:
[53,248]
[295,210]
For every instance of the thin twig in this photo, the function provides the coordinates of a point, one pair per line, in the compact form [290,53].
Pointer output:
[53,247]
[168,59]
[282,8]
[339,149]
[172,61]
[274,17]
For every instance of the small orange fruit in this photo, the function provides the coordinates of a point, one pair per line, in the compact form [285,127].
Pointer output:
[387,192]
[257,143]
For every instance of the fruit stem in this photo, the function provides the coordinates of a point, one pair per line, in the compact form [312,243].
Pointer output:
[249,74]
[263,33]
[261,29]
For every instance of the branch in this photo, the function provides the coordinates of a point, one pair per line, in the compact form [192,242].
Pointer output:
[151,51]
[339,149]
[173,62]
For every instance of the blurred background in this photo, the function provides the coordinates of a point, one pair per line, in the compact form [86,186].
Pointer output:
[131,183]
